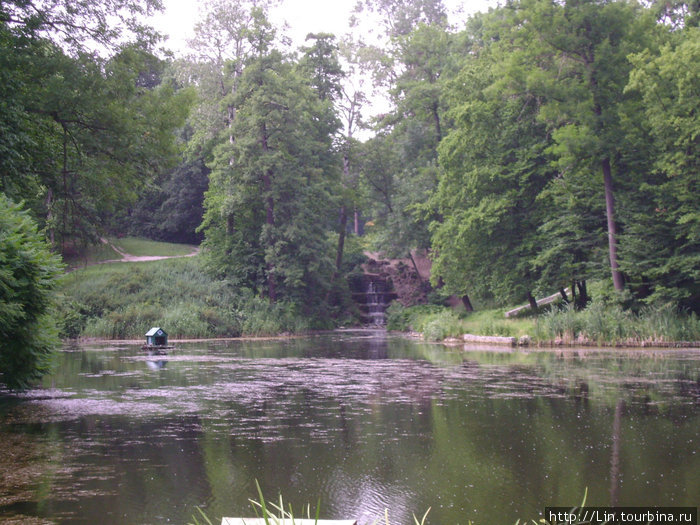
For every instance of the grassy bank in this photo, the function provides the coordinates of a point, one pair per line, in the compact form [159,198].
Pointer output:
[123,300]
[140,247]
[599,324]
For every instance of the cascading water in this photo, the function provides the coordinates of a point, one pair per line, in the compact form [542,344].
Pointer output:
[372,293]
[375,305]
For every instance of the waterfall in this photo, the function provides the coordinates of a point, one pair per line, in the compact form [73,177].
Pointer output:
[375,305]
[372,293]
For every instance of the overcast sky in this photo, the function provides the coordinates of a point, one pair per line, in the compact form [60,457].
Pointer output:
[303,17]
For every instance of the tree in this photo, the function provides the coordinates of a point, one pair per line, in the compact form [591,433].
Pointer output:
[321,65]
[400,17]
[84,132]
[422,55]
[172,209]
[575,55]
[28,273]
[79,26]
[220,49]
[662,240]
[494,169]
[271,187]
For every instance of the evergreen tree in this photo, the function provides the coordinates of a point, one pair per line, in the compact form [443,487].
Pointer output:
[28,273]
[271,186]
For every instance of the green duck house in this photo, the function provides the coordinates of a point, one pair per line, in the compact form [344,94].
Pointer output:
[156,336]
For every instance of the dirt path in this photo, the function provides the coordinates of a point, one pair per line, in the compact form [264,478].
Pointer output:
[127,257]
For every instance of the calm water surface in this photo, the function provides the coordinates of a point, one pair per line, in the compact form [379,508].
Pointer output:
[361,420]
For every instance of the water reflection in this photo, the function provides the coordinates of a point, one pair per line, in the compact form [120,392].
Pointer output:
[362,420]
[156,365]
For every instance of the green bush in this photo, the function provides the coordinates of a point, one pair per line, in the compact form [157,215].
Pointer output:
[412,318]
[441,325]
[262,318]
[28,276]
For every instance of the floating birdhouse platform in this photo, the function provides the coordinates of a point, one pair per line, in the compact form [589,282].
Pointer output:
[157,340]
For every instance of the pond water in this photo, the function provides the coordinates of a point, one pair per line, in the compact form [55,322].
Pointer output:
[361,420]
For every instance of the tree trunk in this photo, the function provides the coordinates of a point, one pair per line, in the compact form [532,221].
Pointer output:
[357,223]
[467,303]
[269,217]
[270,221]
[341,238]
[436,120]
[533,302]
[49,216]
[612,229]
[343,210]
[582,299]
[562,292]
[415,266]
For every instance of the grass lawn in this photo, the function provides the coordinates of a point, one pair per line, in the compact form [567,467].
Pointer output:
[143,247]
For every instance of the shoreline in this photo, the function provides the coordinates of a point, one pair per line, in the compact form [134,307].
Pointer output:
[500,342]
[556,344]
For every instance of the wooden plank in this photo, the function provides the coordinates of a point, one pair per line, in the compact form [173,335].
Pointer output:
[261,521]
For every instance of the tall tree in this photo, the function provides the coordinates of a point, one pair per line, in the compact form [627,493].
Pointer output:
[494,169]
[661,244]
[575,54]
[321,65]
[271,186]
[421,54]
[219,51]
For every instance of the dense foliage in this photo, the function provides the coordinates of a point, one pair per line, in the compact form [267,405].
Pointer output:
[81,134]
[540,147]
[572,155]
[544,145]
[28,273]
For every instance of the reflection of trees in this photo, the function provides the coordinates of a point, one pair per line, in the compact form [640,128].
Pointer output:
[418,427]
[615,454]
[606,376]
[28,467]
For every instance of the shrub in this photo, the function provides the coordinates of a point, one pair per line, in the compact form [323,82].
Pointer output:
[28,276]
[441,325]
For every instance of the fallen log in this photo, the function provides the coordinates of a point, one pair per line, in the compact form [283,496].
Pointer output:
[491,339]
[540,302]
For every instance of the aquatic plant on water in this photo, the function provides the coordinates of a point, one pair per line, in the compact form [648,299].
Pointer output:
[277,514]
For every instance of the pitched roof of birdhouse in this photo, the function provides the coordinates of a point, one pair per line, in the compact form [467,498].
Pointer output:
[154,331]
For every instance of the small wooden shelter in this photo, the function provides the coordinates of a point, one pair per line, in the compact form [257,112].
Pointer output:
[156,336]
